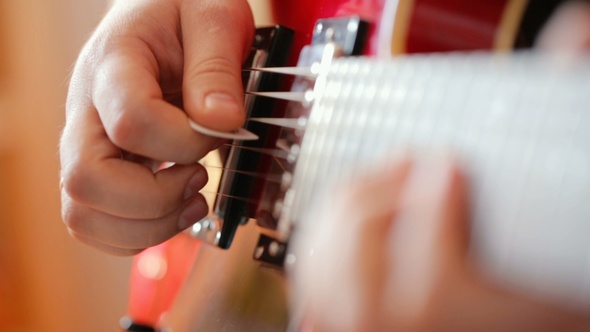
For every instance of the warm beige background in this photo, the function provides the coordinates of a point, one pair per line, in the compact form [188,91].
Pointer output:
[48,282]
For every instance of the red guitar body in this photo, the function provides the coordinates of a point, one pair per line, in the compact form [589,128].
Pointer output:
[432,25]
[422,26]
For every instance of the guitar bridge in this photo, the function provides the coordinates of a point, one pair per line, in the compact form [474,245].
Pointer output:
[239,191]
[254,181]
[332,38]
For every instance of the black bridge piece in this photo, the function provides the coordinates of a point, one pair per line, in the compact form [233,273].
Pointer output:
[240,192]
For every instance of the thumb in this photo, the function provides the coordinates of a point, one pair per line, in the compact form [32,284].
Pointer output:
[216,37]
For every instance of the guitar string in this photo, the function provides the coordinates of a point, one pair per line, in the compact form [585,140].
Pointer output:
[217,194]
[273,178]
[277,154]
[310,72]
[292,123]
[295,96]
[281,164]
[270,177]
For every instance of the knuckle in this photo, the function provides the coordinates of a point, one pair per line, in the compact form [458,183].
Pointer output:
[124,127]
[218,65]
[71,217]
[75,180]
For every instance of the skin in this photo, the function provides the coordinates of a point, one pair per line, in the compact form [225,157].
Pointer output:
[568,30]
[400,262]
[137,81]
[153,64]
[396,247]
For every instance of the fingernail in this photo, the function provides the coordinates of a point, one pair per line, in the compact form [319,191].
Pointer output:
[198,181]
[194,211]
[221,102]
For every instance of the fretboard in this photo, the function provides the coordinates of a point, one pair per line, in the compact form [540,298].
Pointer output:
[520,125]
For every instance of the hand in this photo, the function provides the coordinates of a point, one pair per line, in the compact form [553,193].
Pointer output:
[391,255]
[394,255]
[149,67]
[568,30]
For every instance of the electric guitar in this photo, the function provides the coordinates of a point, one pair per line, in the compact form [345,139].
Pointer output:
[517,120]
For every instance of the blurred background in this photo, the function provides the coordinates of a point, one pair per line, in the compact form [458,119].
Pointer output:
[48,281]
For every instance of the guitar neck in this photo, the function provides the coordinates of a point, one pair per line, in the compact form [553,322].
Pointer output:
[375,28]
[519,124]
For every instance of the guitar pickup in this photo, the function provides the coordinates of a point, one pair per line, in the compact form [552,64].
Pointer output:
[244,192]
[345,36]
[239,192]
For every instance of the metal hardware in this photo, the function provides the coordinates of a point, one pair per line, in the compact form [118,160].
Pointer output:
[332,38]
[271,49]
[208,229]
[270,251]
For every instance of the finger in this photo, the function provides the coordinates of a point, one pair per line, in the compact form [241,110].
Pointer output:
[94,175]
[103,247]
[428,244]
[348,241]
[568,30]
[134,114]
[130,233]
[214,49]
[435,207]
